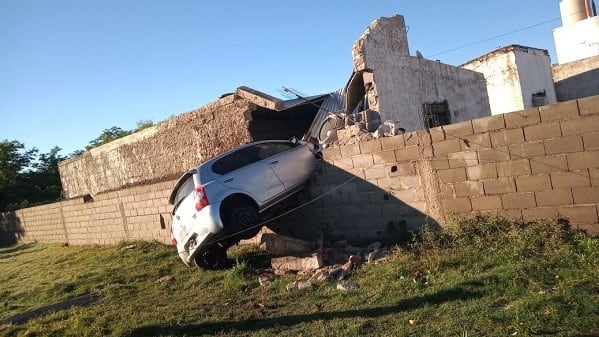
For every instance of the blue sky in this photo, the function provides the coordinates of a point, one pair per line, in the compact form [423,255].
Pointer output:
[70,69]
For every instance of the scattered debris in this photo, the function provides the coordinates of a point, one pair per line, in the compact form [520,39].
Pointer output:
[128,247]
[293,263]
[303,284]
[265,278]
[167,278]
[346,286]
[284,245]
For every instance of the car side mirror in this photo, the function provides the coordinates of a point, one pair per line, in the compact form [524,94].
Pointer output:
[293,140]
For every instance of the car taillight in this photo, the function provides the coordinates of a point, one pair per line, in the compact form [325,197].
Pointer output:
[173,239]
[200,198]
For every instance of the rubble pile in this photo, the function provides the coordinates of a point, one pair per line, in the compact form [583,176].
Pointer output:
[314,263]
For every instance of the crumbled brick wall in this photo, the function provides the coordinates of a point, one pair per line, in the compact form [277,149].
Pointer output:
[537,163]
[158,153]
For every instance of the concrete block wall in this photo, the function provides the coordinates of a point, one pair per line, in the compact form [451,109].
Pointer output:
[159,153]
[526,165]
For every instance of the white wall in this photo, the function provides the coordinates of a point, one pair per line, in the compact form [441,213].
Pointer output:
[534,72]
[577,41]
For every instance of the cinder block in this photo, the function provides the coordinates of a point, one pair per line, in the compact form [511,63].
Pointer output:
[350,150]
[488,202]
[456,130]
[591,141]
[564,145]
[384,157]
[363,161]
[554,197]
[527,150]
[499,186]
[402,169]
[407,153]
[440,162]
[476,141]
[375,172]
[452,175]
[513,168]
[570,179]
[594,173]
[582,160]
[579,214]
[344,163]
[586,195]
[463,159]
[447,191]
[549,164]
[447,146]
[506,137]
[488,123]
[456,205]
[411,138]
[483,171]
[510,214]
[468,188]
[519,200]
[588,105]
[578,126]
[539,213]
[493,155]
[542,131]
[538,182]
[370,146]
[411,195]
[559,111]
[522,118]
[392,143]
[331,153]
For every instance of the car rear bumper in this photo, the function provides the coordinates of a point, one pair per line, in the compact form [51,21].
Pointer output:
[205,225]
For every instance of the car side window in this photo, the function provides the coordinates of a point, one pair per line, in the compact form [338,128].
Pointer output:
[233,161]
[265,150]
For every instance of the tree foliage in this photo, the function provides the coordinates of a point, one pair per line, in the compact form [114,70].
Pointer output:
[27,177]
[113,133]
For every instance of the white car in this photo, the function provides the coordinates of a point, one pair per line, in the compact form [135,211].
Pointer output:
[222,201]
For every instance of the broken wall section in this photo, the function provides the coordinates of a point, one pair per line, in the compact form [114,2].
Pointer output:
[403,83]
[161,152]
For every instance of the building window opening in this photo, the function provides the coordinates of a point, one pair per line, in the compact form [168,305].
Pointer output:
[539,98]
[435,114]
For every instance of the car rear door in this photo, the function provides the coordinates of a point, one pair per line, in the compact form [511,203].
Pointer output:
[292,163]
[242,170]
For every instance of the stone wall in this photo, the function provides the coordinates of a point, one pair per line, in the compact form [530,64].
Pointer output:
[531,164]
[158,153]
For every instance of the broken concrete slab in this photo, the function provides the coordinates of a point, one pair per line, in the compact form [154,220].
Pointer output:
[346,286]
[293,263]
[260,98]
[285,245]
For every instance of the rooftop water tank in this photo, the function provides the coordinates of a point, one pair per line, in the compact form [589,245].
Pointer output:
[575,10]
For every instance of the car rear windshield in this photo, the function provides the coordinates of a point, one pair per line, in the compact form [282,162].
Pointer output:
[184,190]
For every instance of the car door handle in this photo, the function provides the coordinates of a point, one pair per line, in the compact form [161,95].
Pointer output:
[228,180]
[274,162]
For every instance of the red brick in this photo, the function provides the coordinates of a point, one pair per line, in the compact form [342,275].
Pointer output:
[564,145]
[484,171]
[542,131]
[522,118]
[586,195]
[559,111]
[582,160]
[506,137]
[570,179]
[533,183]
[488,202]
[488,123]
[513,168]
[499,186]
[518,200]
[581,125]
[554,198]
[549,164]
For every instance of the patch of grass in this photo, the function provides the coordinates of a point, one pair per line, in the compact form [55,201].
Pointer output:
[482,277]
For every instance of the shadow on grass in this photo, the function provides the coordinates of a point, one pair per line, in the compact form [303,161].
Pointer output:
[456,294]
[15,250]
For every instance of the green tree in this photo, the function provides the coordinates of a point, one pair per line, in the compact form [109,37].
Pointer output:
[14,160]
[107,136]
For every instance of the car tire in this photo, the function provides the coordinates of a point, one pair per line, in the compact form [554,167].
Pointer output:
[243,221]
[214,257]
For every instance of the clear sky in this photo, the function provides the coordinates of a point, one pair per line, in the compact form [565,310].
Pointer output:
[70,69]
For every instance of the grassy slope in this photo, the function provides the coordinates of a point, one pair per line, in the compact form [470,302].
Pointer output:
[487,277]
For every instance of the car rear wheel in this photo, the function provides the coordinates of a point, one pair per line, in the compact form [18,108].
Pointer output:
[213,257]
[243,221]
